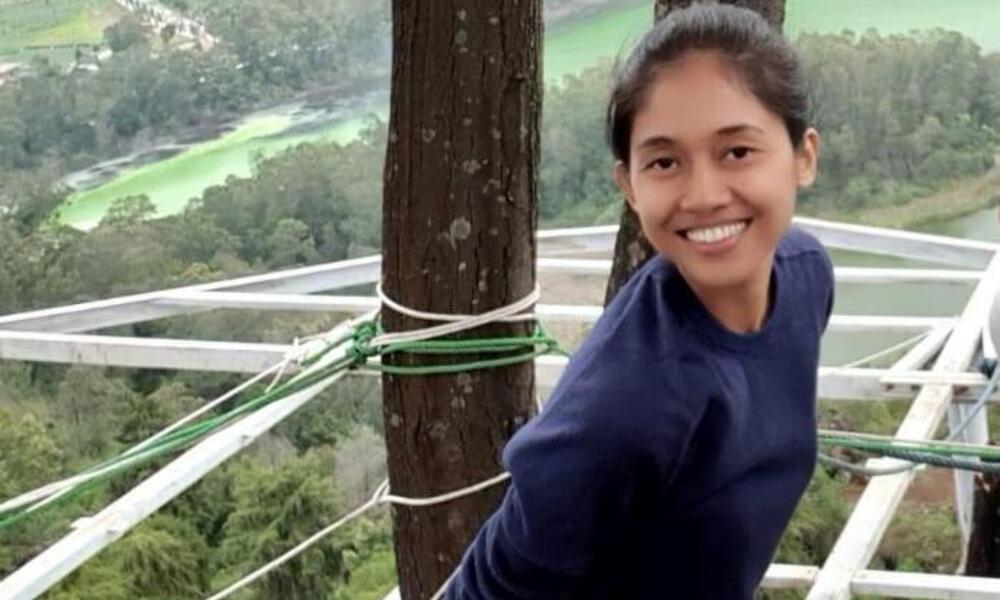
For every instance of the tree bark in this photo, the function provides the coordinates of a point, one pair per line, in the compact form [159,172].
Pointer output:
[984,539]
[459,220]
[631,247]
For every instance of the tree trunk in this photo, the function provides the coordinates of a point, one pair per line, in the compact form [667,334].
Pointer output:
[459,216]
[631,247]
[984,539]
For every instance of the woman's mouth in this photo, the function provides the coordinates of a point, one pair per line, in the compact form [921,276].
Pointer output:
[715,238]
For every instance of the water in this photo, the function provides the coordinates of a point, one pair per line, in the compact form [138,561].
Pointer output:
[909,299]
[186,172]
[569,49]
[170,184]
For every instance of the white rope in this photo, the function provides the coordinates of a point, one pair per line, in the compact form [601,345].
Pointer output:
[444,317]
[372,502]
[289,357]
[444,586]
[453,323]
[890,350]
[380,496]
[50,492]
[448,497]
[46,494]
[63,485]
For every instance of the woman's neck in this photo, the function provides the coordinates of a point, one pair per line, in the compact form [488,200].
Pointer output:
[740,308]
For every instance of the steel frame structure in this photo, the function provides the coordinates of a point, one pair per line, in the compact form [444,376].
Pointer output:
[66,335]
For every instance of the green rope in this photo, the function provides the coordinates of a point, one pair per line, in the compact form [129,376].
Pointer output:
[929,447]
[357,355]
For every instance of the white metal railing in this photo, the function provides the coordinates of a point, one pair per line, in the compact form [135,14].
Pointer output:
[55,335]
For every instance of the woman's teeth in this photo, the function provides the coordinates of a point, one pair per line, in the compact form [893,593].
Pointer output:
[717,233]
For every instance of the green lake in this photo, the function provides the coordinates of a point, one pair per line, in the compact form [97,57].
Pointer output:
[172,182]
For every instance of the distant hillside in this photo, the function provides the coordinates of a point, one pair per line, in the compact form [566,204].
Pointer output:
[29,26]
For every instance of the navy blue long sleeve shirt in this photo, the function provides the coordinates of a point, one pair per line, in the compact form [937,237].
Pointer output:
[672,453]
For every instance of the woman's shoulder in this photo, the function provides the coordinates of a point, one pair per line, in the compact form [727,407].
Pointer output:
[624,404]
[631,379]
[641,363]
[646,311]
[799,242]
[806,253]
[805,271]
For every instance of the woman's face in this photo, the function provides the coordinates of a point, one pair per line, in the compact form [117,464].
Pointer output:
[712,174]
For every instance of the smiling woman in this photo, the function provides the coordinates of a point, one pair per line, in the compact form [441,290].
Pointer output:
[682,433]
[715,189]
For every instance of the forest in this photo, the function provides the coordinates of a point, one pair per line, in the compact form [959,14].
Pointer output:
[902,117]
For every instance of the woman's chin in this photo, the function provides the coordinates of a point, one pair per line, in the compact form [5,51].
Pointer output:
[732,277]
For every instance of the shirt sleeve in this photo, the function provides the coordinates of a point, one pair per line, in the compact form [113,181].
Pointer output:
[576,471]
[831,290]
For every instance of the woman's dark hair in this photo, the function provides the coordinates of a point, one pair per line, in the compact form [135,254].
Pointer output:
[758,53]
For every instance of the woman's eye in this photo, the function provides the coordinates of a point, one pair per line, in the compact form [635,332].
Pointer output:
[739,152]
[662,163]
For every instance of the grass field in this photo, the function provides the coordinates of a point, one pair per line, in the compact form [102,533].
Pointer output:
[45,22]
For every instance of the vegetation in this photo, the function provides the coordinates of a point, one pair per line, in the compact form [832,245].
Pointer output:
[903,117]
[65,121]
[53,22]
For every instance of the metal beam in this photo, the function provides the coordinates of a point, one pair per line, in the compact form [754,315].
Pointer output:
[919,355]
[861,535]
[904,244]
[891,584]
[243,357]
[911,325]
[838,383]
[197,299]
[136,308]
[141,353]
[141,307]
[548,312]
[353,304]
[276,293]
[847,236]
[890,276]
[871,275]
[782,576]
[111,523]
[555,242]
[887,584]
[897,584]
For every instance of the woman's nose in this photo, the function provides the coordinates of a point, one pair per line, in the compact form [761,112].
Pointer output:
[706,191]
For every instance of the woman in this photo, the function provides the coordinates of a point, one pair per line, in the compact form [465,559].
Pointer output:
[682,434]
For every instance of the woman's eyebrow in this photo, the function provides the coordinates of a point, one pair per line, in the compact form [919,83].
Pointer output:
[737,129]
[664,141]
[656,141]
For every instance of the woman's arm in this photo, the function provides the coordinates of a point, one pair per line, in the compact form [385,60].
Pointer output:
[577,470]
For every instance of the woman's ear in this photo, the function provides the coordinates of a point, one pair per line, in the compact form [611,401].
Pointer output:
[620,174]
[807,157]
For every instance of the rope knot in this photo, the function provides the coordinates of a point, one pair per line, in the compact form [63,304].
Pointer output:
[361,348]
